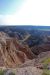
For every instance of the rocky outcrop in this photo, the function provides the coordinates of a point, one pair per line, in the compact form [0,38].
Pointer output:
[24,71]
[40,48]
[24,48]
[12,52]
[43,60]
[28,63]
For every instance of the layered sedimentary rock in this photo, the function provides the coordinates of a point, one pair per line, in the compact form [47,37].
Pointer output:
[40,48]
[12,52]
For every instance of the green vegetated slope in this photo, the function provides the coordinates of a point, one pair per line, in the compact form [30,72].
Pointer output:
[1,72]
[46,61]
[46,71]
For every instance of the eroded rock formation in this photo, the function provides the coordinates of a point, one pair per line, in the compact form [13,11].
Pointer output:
[12,52]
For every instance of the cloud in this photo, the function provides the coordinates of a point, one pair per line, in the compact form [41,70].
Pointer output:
[32,12]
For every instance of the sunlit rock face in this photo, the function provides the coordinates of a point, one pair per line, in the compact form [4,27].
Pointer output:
[12,52]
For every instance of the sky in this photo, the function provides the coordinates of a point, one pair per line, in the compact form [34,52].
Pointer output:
[25,12]
[9,6]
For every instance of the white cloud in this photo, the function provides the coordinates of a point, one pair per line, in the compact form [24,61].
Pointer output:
[32,12]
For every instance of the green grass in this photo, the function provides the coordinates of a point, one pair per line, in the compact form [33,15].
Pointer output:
[46,72]
[46,61]
[1,72]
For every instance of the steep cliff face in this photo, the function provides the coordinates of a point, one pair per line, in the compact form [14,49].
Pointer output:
[12,52]
[24,48]
[25,59]
[40,48]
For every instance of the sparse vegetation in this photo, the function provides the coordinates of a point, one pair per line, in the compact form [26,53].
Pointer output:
[1,72]
[46,61]
[46,72]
